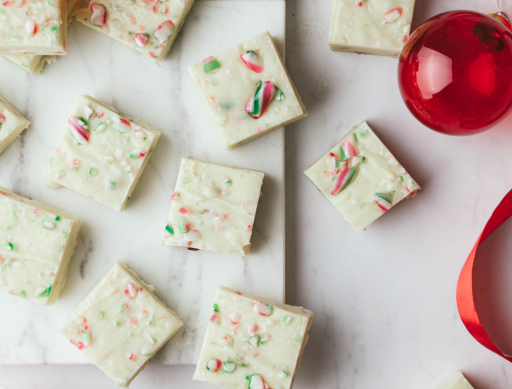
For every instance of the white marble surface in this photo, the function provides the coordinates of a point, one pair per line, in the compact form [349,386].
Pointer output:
[384,300]
[167,99]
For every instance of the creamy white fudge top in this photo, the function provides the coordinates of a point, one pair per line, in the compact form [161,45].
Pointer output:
[252,343]
[102,153]
[35,63]
[120,325]
[229,81]
[213,207]
[147,26]
[371,26]
[35,27]
[455,381]
[361,177]
[12,124]
[36,243]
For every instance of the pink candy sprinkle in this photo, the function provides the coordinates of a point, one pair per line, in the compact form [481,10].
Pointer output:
[392,15]
[81,320]
[176,196]
[214,317]
[36,211]
[131,357]
[183,210]
[248,228]
[253,328]
[2,119]
[131,320]
[6,3]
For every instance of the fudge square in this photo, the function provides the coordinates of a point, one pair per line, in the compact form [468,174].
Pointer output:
[33,27]
[12,124]
[213,207]
[455,381]
[378,27]
[120,325]
[150,27]
[248,91]
[36,245]
[361,178]
[102,153]
[252,342]
[34,64]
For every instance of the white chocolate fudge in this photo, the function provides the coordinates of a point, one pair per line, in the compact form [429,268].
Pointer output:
[150,27]
[378,27]
[252,343]
[213,207]
[247,91]
[34,64]
[455,381]
[12,124]
[102,153]
[361,178]
[33,27]
[36,245]
[121,325]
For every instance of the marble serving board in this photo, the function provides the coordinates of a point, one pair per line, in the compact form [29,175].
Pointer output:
[166,99]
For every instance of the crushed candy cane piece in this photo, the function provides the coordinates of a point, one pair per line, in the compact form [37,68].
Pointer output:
[132,289]
[286,320]
[141,39]
[227,340]
[164,31]
[348,148]
[48,225]
[283,374]
[31,27]
[101,127]
[169,229]
[254,340]
[79,130]
[99,15]
[252,60]
[86,338]
[121,124]
[147,351]
[149,338]
[342,180]
[263,309]
[137,153]
[279,95]
[392,15]
[383,200]
[257,382]
[211,65]
[214,365]
[88,111]
[93,172]
[333,164]
[226,181]
[258,103]
[229,366]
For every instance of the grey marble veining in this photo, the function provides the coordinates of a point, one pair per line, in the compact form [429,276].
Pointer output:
[166,99]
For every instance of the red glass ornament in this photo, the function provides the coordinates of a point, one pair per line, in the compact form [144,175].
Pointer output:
[455,72]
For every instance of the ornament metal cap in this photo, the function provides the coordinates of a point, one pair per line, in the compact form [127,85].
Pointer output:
[502,18]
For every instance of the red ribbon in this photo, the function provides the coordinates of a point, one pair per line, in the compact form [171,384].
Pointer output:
[465,295]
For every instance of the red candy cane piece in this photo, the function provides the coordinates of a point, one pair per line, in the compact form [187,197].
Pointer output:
[98,15]
[392,15]
[31,27]
[164,31]
[341,180]
[121,124]
[79,130]
[141,39]
[253,61]
[258,103]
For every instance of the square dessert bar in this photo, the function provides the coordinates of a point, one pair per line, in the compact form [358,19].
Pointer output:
[102,153]
[150,27]
[33,27]
[252,342]
[12,124]
[120,325]
[213,207]
[361,178]
[248,91]
[378,27]
[36,245]
[34,63]
[455,381]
